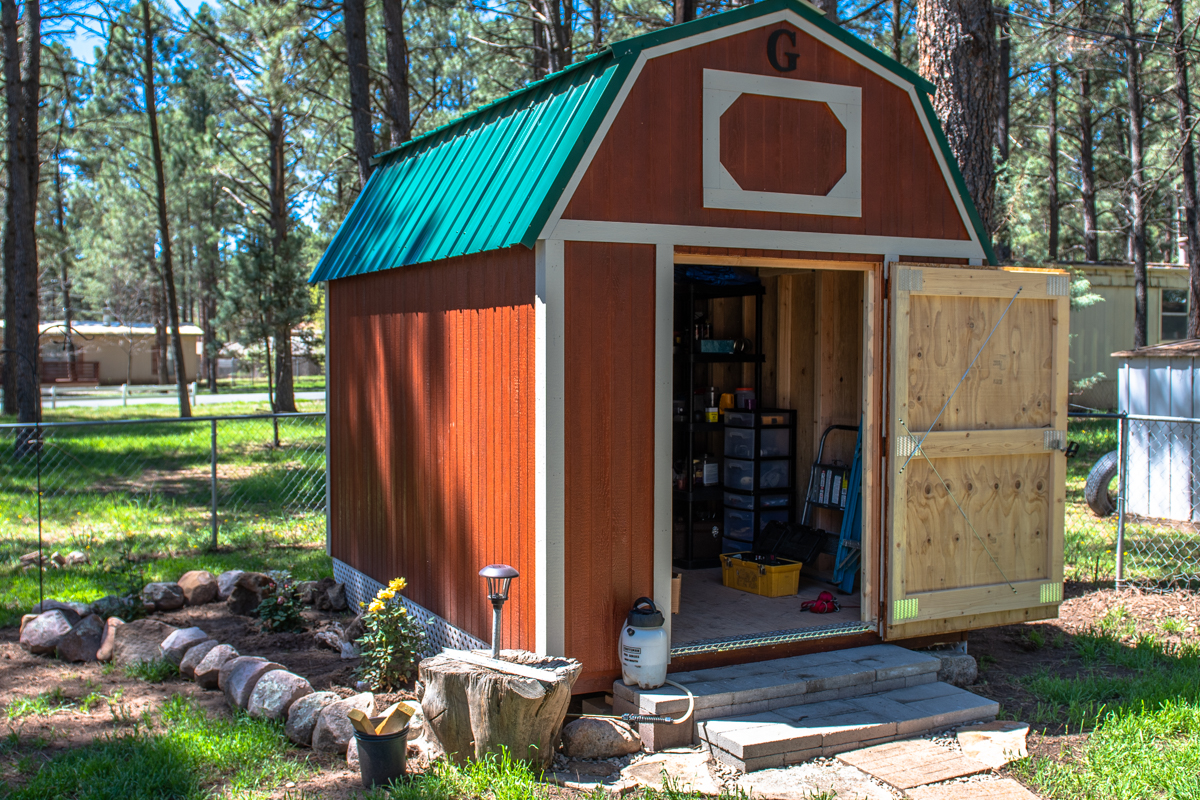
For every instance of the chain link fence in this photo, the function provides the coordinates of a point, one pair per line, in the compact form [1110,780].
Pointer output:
[206,475]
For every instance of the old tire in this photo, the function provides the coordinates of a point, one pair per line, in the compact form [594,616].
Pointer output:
[1102,501]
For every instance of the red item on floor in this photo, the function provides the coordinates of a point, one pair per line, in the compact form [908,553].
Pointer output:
[825,603]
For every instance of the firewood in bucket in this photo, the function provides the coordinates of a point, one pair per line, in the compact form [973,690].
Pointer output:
[361,722]
[394,718]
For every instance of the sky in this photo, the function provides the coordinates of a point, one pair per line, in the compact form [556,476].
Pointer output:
[83,42]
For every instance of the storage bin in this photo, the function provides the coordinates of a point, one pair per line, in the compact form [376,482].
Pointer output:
[757,442]
[774,442]
[740,442]
[764,418]
[740,571]
[758,500]
[748,476]
[743,524]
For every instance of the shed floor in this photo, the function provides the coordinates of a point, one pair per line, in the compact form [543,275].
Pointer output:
[710,610]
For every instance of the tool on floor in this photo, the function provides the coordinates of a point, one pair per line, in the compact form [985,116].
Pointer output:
[649,719]
[825,603]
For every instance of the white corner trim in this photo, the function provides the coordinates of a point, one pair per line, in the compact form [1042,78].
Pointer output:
[721,190]
[664,327]
[549,455]
[759,239]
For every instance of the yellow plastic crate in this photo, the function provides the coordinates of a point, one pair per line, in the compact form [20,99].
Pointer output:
[767,580]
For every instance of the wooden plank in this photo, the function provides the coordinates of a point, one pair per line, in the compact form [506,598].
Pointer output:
[897,483]
[979,600]
[951,628]
[985,283]
[965,444]
[507,667]
[872,510]
[758,262]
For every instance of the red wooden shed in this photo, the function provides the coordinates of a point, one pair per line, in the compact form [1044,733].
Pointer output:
[528,308]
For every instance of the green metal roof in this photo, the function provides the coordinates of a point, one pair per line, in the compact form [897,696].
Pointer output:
[491,178]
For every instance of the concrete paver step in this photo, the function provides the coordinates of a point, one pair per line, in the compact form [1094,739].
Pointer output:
[905,765]
[791,734]
[1002,789]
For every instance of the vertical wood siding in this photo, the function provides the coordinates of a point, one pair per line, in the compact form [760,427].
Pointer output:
[609,448]
[649,167]
[431,415]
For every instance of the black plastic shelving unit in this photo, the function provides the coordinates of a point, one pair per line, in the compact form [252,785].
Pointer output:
[686,503]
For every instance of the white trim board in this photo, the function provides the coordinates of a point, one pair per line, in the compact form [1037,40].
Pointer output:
[755,239]
[721,190]
[664,344]
[553,221]
[549,454]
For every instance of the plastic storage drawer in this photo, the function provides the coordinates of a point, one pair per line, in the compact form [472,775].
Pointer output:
[756,442]
[749,476]
[765,418]
[742,525]
[758,500]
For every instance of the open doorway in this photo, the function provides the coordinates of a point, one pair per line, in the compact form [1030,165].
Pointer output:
[785,357]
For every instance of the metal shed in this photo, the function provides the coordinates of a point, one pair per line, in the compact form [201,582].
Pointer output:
[1160,386]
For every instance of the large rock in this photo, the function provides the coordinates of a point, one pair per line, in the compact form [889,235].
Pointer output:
[321,594]
[77,557]
[208,671]
[958,669]
[108,638]
[303,715]
[43,633]
[994,743]
[163,596]
[192,658]
[239,676]
[28,618]
[336,595]
[249,592]
[199,587]
[352,753]
[599,738]
[83,642]
[307,592]
[71,610]
[226,581]
[275,693]
[334,731]
[179,642]
[115,606]
[139,641]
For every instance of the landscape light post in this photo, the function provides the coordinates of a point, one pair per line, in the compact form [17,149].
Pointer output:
[499,577]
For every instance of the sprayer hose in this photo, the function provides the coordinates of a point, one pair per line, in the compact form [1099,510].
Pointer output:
[648,718]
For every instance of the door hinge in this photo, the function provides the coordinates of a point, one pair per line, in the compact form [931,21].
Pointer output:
[904,609]
[1050,593]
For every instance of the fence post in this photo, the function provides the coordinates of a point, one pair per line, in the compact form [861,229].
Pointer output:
[124,394]
[53,396]
[214,482]
[1122,457]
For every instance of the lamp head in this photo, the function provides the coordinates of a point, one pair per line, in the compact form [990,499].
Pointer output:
[498,577]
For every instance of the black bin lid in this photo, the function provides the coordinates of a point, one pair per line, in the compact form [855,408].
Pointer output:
[645,614]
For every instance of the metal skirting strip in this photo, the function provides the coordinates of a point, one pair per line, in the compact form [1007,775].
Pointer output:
[439,634]
[769,638]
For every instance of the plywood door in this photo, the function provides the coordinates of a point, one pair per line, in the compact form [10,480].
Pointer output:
[978,413]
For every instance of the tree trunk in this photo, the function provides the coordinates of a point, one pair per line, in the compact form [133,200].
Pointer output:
[685,11]
[22,94]
[830,7]
[1087,168]
[541,53]
[1003,93]
[897,28]
[209,257]
[957,53]
[64,264]
[473,710]
[354,12]
[8,363]
[164,230]
[1183,102]
[399,111]
[1137,177]
[597,25]
[285,395]
[1052,134]
[158,311]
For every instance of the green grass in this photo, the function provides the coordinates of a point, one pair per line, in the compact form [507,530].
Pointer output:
[155,671]
[1141,702]
[39,705]
[179,753]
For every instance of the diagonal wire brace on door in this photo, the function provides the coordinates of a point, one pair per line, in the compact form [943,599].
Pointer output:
[957,504]
[960,381]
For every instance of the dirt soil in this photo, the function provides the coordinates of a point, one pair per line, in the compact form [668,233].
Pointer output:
[118,702]
[1008,654]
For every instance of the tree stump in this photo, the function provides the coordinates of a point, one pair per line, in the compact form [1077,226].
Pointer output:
[471,710]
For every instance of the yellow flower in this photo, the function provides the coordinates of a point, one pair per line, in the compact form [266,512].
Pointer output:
[385,594]
[398,584]
[375,607]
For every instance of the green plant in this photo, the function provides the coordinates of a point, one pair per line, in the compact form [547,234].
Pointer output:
[155,671]
[1173,625]
[39,705]
[392,641]
[1036,639]
[280,610]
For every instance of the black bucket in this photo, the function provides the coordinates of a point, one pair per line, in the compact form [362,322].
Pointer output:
[382,759]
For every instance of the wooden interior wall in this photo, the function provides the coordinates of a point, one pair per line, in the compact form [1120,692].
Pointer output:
[609,445]
[903,191]
[431,432]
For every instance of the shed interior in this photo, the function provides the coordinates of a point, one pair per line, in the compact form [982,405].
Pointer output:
[800,342]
